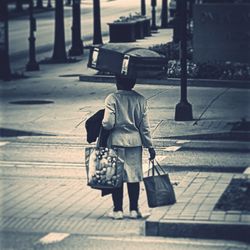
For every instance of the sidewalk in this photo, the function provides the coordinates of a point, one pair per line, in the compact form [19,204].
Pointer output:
[45,203]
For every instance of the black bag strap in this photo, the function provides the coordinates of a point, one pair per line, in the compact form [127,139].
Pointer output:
[99,138]
[156,167]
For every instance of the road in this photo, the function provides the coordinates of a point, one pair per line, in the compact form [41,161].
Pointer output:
[39,241]
[19,28]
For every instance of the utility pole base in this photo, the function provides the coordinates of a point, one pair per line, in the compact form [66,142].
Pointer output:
[183,112]
[76,51]
[32,66]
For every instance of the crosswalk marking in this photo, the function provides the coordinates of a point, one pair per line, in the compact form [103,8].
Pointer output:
[182,141]
[53,238]
[172,148]
[247,171]
[3,143]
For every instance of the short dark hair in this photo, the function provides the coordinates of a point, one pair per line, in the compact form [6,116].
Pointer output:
[124,82]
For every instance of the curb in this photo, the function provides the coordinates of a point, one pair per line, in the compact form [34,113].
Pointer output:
[202,168]
[171,81]
[198,229]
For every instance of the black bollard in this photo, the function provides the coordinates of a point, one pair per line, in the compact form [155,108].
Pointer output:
[153,25]
[32,65]
[68,2]
[49,5]
[77,45]
[164,14]
[39,4]
[97,39]
[143,8]
[5,71]
[59,52]
[183,110]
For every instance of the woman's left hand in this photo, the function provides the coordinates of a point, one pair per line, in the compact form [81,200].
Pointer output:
[152,154]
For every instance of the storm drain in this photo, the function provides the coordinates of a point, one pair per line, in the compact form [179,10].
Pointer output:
[31,102]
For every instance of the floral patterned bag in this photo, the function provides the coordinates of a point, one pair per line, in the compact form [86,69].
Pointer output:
[104,167]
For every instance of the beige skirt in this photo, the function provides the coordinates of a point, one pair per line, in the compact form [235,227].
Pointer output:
[132,164]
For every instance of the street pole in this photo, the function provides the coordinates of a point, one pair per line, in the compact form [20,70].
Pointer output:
[32,65]
[97,39]
[5,71]
[77,46]
[153,26]
[177,18]
[39,4]
[143,8]
[183,110]
[59,52]
[68,2]
[19,6]
[49,5]
[164,14]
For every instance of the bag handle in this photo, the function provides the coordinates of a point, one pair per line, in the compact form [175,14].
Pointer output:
[99,137]
[155,168]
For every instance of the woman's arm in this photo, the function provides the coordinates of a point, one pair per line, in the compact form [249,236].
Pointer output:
[108,121]
[144,127]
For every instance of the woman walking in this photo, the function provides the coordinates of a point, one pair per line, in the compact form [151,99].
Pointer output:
[126,117]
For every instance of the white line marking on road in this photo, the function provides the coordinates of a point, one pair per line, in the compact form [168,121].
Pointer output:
[247,171]
[172,148]
[53,238]
[182,141]
[3,143]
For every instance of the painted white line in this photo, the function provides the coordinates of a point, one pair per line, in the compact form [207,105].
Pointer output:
[247,171]
[172,148]
[52,238]
[3,143]
[182,141]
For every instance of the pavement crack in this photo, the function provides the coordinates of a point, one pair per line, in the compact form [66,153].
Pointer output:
[157,127]
[161,92]
[210,104]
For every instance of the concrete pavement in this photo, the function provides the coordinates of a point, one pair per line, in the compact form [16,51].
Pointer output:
[54,196]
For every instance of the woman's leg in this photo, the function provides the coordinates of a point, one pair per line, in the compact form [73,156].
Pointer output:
[117,197]
[133,194]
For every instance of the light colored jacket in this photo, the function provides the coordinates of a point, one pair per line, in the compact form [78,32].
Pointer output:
[126,116]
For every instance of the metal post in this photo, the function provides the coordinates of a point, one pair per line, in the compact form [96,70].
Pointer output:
[97,39]
[176,22]
[5,71]
[59,52]
[183,110]
[77,46]
[143,8]
[68,2]
[153,5]
[49,5]
[32,65]
[39,4]
[19,6]
[164,14]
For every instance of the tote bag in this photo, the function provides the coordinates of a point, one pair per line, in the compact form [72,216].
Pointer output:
[158,187]
[104,167]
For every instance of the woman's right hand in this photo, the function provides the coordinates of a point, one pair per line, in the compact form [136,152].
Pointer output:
[152,153]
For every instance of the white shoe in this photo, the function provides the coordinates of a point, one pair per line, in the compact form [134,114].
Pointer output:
[135,214]
[116,215]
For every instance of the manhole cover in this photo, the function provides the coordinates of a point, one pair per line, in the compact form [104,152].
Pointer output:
[31,102]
